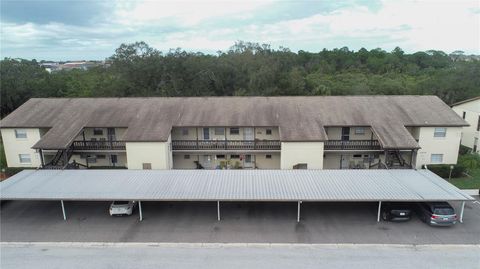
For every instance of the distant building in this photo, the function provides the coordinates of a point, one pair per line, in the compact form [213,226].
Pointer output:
[70,65]
[469,110]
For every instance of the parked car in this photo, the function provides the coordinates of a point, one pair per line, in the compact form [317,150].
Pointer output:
[396,212]
[122,208]
[437,213]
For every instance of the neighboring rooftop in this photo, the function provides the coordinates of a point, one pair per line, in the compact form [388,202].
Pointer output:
[300,118]
[466,101]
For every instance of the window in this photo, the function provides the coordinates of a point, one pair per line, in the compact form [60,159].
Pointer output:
[103,139]
[91,159]
[234,156]
[220,156]
[357,156]
[360,130]
[101,156]
[114,158]
[440,132]
[436,158]
[97,131]
[464,115]
[20,134]
[268,131]
[268,156]
[184,131]
[478,124]
[219,131]
[25,158]
[93,139]
[234,131]
[186,157]
[146,166]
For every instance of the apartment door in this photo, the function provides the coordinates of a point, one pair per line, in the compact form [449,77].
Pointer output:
[249,161]
[343,162]
[207,161]
[345,133]
[248,134]
[111,134]
[475,144]
[206,133]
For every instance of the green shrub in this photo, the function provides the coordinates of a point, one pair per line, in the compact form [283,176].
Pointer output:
[10,171]
[464,150]
[443,170]
[470,161]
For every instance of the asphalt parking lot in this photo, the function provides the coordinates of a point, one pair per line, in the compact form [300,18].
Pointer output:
[191,222]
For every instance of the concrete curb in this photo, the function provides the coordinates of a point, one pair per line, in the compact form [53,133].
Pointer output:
[471,191]
[230,245]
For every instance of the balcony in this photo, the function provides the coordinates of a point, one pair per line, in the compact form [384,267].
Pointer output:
[226,145]
[98,145]
[352,145]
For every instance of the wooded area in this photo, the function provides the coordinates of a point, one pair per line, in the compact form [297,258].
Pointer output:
[246,69]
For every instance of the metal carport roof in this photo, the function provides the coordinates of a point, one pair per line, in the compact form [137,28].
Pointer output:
[230,185]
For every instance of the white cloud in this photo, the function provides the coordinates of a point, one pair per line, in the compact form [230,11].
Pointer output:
[182,13]
[412,25]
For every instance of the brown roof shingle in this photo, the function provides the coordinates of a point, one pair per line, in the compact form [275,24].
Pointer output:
[299,118]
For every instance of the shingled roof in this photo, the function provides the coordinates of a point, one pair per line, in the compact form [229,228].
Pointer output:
[300,118]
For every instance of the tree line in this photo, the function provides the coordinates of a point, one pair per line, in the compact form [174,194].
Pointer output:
[246,69]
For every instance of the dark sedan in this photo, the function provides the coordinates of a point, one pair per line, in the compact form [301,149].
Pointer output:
[396,212]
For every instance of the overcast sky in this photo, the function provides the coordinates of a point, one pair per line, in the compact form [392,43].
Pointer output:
[89,29]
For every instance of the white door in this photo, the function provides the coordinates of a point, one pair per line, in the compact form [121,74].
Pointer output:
[206,133]
[344,162]
[248,134]
[249,161]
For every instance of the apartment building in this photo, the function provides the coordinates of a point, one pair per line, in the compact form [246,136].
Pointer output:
[469,110]
[334,132]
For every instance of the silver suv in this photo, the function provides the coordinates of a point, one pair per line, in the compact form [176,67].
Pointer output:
[437,213]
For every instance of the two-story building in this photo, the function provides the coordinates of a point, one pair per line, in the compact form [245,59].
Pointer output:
[332,132]
[469,110]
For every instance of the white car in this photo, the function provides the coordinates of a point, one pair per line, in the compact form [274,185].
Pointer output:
[122,208]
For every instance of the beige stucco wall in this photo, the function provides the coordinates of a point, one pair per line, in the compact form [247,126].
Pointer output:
[263,163]
[335,133]
[469,133]
[310,153]
[179,161]
[121,159]
[332,160]
[260,133]
[159,154]
[119,133]
[448,145]
[14,146]
[260,160]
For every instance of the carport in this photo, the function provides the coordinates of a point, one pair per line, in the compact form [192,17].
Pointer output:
[232,186]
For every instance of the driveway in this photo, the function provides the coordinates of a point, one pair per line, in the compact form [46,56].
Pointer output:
[178,256]
[41,221]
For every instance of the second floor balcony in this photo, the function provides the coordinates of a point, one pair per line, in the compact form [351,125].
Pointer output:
[98,145]
[352,145]
[226,145]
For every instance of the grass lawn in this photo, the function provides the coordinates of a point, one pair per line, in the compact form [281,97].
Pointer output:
[472,182]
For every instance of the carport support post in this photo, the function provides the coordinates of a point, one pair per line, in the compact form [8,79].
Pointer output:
[140,210]
[218,210]
[461,212]
[298,210]
[379,209]
[63,210]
